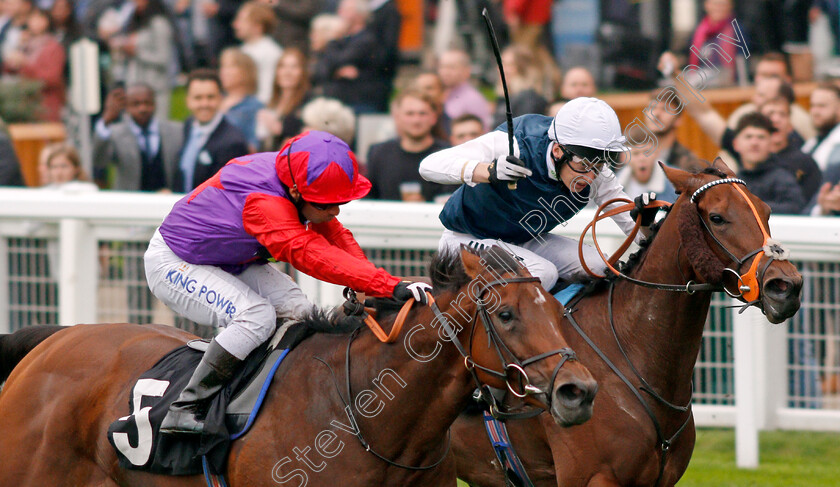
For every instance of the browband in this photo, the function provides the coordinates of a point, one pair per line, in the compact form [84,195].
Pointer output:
[713,184]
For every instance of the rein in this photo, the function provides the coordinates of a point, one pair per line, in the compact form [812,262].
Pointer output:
[749,290]
[664,443]
[512,370]
[690,287]
[749,287]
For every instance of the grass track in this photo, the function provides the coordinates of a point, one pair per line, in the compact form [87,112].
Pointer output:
[787,458]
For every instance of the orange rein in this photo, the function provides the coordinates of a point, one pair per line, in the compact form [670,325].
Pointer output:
[399,322]
[628,206]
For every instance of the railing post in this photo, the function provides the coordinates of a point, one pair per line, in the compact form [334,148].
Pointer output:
[78,272]
[774,370]
[748,345]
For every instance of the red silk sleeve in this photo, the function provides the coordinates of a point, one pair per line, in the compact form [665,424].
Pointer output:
[336,234]
[273,221]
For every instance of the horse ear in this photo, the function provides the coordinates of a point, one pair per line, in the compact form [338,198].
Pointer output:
[724,167]
[471,261]
[679,178]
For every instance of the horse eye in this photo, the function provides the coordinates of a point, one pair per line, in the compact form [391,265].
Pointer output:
[716,219]
[506,316]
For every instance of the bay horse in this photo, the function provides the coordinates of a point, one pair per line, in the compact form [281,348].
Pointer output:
[332,394]
[642,429]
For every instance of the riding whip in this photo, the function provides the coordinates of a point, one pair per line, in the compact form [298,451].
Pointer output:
[495,43]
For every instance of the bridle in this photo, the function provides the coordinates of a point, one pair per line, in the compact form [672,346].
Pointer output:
[749,290]
[513,373]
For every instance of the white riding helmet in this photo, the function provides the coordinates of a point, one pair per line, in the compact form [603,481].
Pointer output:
[589,128]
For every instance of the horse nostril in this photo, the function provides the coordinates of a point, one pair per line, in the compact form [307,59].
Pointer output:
[574,394]
[780,287]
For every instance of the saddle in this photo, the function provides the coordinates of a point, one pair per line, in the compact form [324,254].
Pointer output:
[140,446]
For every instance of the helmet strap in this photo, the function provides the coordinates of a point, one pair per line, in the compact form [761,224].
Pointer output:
[298,202]
[559,162]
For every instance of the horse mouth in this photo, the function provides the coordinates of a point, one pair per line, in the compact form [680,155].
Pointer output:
[779,311]
[572,402]
[780,299]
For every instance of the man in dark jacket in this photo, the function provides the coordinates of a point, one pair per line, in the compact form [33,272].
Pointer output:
[801,165]
[761,169]
[350,68]
[779,154]
[210,141]
[393,164]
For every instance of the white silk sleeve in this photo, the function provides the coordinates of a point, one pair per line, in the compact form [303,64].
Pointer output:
[455,165]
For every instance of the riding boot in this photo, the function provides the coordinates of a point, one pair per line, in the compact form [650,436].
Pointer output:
[215,369]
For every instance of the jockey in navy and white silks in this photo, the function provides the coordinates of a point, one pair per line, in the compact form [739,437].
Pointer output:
[558,164]
[207,261]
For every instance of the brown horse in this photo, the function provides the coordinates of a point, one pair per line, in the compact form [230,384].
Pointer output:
[330,393]
[642,430]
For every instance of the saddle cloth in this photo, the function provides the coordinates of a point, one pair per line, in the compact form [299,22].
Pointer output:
[139,444]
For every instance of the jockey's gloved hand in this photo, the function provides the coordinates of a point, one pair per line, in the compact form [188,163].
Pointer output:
[648,214]
[406,290]
[508,168]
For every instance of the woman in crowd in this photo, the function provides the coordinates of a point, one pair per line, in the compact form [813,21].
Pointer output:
[524,79]
[65,27]
[41,57]
[281,119]
[146,52]
[238,74]
[64,170]
[716,23]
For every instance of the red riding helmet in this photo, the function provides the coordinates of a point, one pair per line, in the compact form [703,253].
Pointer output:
[322,168]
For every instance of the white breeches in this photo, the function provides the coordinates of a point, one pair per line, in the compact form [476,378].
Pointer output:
[556,257]
[246,305]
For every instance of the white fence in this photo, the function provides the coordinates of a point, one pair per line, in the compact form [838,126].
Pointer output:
[77,258]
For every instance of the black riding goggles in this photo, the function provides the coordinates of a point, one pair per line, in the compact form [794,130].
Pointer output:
[584,160]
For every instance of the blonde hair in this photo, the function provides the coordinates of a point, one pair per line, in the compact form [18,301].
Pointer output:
[70,152]
[330,115]
[245,64]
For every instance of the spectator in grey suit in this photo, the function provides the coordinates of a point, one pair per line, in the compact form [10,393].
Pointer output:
[142,149]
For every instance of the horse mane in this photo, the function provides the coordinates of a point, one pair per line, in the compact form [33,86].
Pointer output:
[321,320]
[703,260]
[714,172]
[448,274]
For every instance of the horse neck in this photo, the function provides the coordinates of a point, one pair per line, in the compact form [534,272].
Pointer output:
[434,385]
[661,331]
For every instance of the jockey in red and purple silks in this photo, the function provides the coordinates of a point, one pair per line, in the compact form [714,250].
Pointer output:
[207,260]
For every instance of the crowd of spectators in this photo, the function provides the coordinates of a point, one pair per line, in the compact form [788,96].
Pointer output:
[255,73]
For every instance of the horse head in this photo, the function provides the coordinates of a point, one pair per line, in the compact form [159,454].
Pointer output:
[725,235]
[513,341]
